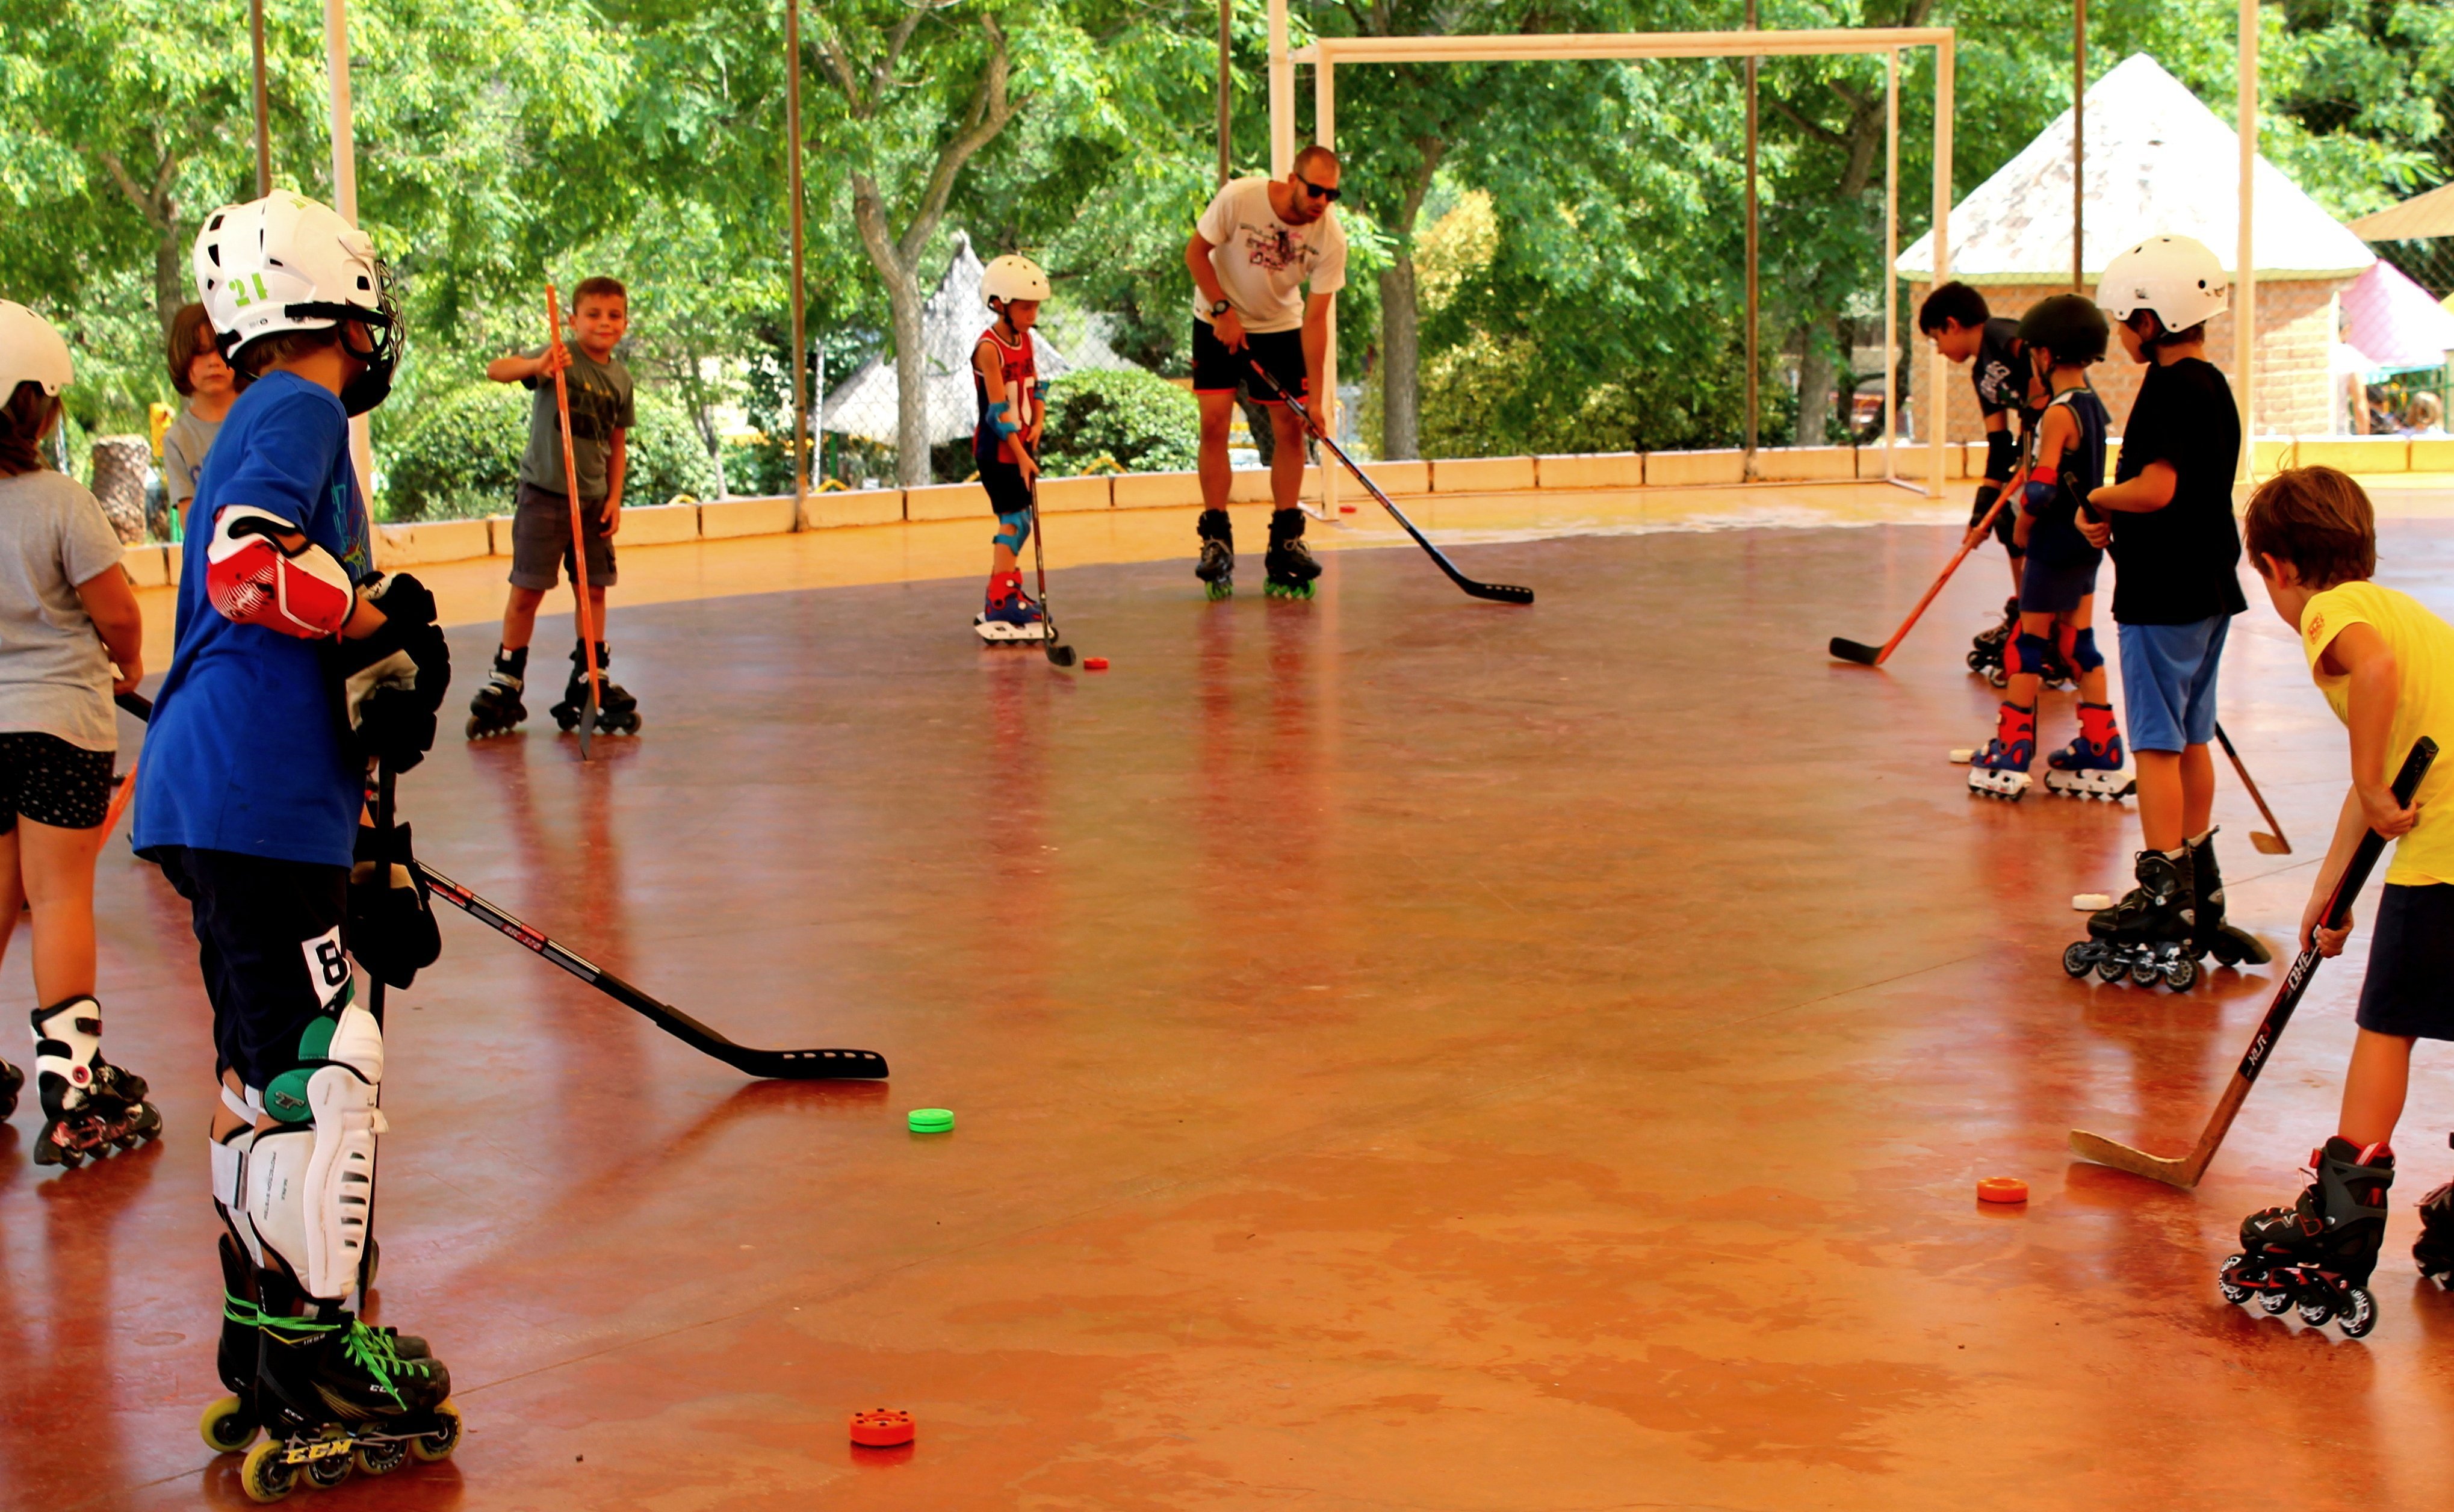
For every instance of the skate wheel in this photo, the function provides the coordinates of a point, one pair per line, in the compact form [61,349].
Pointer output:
[2179,973]
[328,1472]
[1222,590]
[2275,1303]
[2110,968]
[380,1455]
[2079,956]
[1996,677]
[2360,1316]
[2317,1311]
[2144,972]
[2234,1292]
[267,1476]
[228,1426]
[438,1443]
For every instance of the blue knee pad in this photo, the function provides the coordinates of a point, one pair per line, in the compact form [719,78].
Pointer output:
[1015,529]
[2029,654]
[2080,647]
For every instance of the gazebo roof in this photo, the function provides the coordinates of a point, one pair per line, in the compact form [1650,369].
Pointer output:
[864,404]
[2158,163]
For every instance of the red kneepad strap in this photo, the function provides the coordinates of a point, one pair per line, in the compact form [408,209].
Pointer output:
[250,580]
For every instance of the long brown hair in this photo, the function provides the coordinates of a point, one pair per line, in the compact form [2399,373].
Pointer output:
[22,419]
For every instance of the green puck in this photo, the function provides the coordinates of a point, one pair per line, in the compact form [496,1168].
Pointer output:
[931,1121]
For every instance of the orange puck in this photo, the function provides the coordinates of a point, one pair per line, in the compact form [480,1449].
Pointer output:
[882,1428]
[2002,1189]
[1095,664]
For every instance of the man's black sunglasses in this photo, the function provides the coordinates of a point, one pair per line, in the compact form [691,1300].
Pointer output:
[1317,192]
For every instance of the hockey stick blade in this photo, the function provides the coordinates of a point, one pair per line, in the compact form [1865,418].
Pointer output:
[2186,1171]
[2102,1151]
[1857,650]
[2268,844]
[786,1066]
[1495,592]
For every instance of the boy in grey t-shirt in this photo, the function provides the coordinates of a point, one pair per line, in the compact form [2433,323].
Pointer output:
[209,388]
[602,415]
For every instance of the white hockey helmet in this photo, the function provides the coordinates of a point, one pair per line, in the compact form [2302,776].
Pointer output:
[1012,277]
[31,351]
[2179,277]
[286,263]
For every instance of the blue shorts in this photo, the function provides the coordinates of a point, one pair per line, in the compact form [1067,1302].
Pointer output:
[2168,683]
[2050,588]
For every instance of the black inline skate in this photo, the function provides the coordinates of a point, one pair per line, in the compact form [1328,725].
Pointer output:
[617,712]
[2318,1254]
[90,1107]
[335,1395]
[497,710]
[1289,566]
[2434,1249]
[1217,565]
[2147,934]
[10,1080]
[1985,654]
[231,1423]
[2209,935]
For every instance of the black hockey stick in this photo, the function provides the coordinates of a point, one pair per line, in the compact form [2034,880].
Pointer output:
[2185,1170]
[1496,593]
[796,1065]
[790,1066]
[1059,654]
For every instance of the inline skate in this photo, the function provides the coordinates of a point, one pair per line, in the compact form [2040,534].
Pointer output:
[2318,1254]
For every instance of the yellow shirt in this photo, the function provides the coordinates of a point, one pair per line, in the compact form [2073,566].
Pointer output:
[2423,660]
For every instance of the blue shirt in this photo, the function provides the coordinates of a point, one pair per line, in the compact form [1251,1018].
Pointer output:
[245,752]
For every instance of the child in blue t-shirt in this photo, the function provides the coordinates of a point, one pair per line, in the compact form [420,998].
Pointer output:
[295,668]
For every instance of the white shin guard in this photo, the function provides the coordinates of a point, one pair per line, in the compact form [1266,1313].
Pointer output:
[309,1189]
[230,1168]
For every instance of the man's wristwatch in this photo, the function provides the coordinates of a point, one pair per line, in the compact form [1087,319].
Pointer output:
[1219,307]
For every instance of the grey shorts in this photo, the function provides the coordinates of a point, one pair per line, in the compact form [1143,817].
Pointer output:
[541,541]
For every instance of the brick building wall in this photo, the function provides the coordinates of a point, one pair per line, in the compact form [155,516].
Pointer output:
[2295,336]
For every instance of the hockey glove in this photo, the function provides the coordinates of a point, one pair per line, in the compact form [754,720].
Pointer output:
[393,680]
[391,920]
[2001,456]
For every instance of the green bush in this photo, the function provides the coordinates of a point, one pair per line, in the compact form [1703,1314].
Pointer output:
[1140,420]
[459,457]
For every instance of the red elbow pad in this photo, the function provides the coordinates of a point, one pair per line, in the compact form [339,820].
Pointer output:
[250,580]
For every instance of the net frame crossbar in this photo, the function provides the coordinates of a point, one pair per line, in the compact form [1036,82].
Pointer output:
[1325,53]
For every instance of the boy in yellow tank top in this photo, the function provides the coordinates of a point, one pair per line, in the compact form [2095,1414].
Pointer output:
[2386,665]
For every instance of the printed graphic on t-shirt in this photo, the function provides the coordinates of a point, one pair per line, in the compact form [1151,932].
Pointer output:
[1274,247]
[2316,630]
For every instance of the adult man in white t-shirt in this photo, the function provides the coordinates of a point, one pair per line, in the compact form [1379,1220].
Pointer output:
[1251,254]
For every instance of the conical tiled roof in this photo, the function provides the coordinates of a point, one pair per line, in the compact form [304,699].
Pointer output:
[2158,163]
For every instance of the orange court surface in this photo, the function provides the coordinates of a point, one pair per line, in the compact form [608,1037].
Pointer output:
[1406,1052]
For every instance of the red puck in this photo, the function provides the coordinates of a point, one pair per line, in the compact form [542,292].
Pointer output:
[2002,1189]
[882,1428]
[1095,664]
[1346,509]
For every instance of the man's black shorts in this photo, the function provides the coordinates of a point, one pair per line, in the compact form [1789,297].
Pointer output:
[1215,370]
[2410,986]
[270,936]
